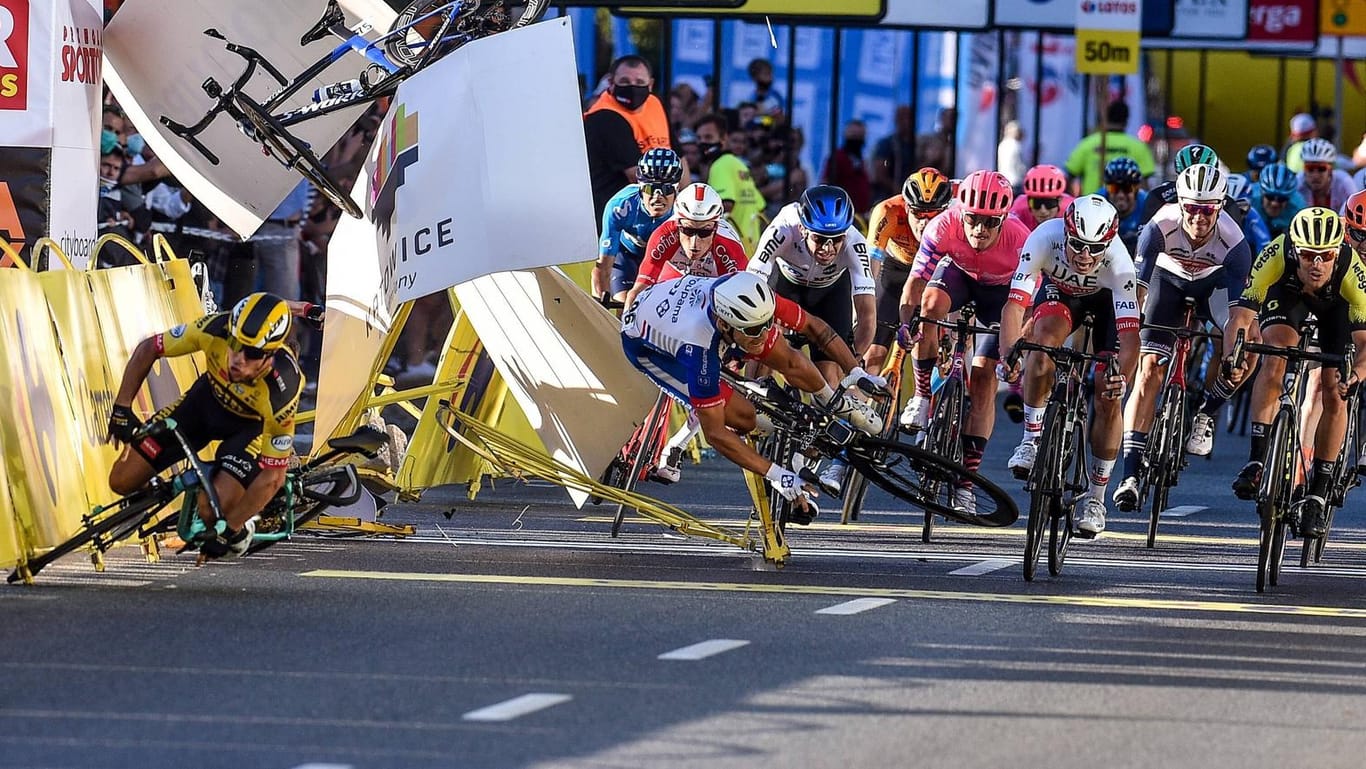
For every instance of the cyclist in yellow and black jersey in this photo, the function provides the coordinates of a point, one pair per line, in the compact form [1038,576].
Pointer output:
[1308,269]
[246,399]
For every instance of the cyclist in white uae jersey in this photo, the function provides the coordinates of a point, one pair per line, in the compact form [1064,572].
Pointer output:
[1080,267]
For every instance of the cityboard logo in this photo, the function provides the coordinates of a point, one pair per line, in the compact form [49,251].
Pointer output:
[397,151]
[13,54]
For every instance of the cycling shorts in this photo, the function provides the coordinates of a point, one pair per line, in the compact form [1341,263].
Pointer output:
[202,420]
[890,283]
[1166,306]
[1049,301]
[963,288]
[833,304]
[624,271]
[1286,306]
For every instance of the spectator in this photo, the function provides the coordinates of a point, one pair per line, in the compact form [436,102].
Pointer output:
[845,168]
[892,156]
[936,148]
[110,212]
[685,107]
[1302,128]
[692,157]
[625,121]
[729,176]
[1086,165]
[1010,154]
[766,100]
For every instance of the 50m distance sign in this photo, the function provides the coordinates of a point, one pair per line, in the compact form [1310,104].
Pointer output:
[1108,36]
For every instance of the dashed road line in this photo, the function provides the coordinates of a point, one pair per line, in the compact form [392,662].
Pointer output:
[517,707]
[703,650]
[984,567]
[856,606]
[1181,511]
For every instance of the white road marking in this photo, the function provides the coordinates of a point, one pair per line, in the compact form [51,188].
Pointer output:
[855,606]
[1181,511]
[699,651]
[516,707]
[985,567]
[323,766]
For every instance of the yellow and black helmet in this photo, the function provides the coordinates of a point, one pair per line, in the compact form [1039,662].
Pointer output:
[260,321]
[1316,229]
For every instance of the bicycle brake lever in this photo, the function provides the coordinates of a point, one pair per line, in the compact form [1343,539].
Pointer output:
[214,33]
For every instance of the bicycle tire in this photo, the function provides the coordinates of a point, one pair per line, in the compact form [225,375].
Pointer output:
[1162,452]
[1273,494]
[945,435]
[1044,487]
[1060,528]
[399,48]
[612,476]
[1059,536]
[293,153]
[310,509]
[904,471]
[89,531]
[1343,480]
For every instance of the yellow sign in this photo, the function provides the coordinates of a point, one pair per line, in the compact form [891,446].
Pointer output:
[1107,51]
[1342,17]
[863,10]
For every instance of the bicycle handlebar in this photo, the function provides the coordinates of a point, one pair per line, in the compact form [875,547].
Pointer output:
[1064,355]
[1185,332]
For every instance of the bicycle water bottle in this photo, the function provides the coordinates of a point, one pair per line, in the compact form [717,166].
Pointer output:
[337,91]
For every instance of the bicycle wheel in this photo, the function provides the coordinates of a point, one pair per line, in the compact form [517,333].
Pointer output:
[919,477]
[1045,490]
[1163,457]
[945,435]
[1063,518]
[855,485]
[408,36]
[321,482]
[647,446]
[293,153]
[1274,496]
[140,506]
[1343,480]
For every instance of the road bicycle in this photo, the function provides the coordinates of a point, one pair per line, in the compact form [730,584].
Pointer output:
[308,490]
[1059,478]
[1284,462]
[855,485]
[423,31]
[1164,457]
[638,456]
[1344,478]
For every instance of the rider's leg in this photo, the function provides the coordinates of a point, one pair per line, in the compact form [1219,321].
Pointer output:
[1052,324]
[131,471]
[1138,412]
[936,306]
[740,413]
[1266,390]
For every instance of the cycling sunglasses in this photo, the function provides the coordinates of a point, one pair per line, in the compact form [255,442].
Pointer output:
[1127,189]
[1045,203]
[1318,255]
[1356,234]
[924,214]
[649,190]
[980,220]
[1317,168]
[1082,246]
[696,232]
[1201,209]
[250,353]
[754,332]
[1278,199]
[827,240]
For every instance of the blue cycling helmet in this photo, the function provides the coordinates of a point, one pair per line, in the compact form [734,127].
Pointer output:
[1261,156]
[1123,170]
[1194,155]
[826,210]
[1276,179]
[659,166]
[1239,187]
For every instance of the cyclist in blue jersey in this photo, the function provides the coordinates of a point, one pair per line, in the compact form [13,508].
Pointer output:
[1276,197]
[1124,189]
[629,219]
[1253,225]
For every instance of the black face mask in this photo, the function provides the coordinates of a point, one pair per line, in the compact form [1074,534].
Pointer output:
[853,146]
[710,152]
[631,96]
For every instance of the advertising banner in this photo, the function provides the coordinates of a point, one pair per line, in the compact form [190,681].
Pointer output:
[1227,19]
[1054,89]
[24,197]
[978,103]
[806,10]
[1108,36]
[1286,26]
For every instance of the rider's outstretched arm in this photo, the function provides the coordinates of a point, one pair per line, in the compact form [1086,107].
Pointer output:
[139,367]
[727,442]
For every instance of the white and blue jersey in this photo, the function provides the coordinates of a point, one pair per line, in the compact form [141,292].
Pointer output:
[626,229]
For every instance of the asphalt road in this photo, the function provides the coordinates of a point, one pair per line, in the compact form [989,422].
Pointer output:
[518,634]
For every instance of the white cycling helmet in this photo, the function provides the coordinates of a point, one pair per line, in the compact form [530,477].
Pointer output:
[1202,184]
[1318,151]
[743,300]
[700,203]
[1092,219]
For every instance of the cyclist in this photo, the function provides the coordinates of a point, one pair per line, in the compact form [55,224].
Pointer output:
[1080,267]
[246,400]
[1322,184]
[1354,219]
[894,233]
[676,333]
[1190,249]
[1253,225]
[1277,198]
[1310,269]
[1045,196]
[1124,190]
[631,216]
[1259,157]
[696,240]
[971,251]
[1165,193]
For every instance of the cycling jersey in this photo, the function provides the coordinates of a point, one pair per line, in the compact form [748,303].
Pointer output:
[782,243]
[670,334]
[626,226]
[665,259]
[889,232]
[272,398]
[1132,223]
[1020,209]
[1253,226]
[1277,225]
[1337,193]
[1045,255]
[1164,244]
[1163,194]
[944,236]
[1276,265]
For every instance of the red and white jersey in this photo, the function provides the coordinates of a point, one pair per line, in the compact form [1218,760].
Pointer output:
[1045,254]
[993,266]
[665,259]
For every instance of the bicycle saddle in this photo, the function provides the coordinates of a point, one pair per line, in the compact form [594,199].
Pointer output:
[367,440]
[331,17]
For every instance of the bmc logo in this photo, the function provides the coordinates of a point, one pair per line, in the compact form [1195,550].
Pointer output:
[14,54]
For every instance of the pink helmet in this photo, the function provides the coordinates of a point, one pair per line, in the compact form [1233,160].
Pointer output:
[985,192]
[1044,181]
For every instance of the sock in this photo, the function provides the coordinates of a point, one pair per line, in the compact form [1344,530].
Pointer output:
[924,370]
[1323,475]
[1216,397]
[1134,444]
[1033,420]
[1100,475]
[684,434]
[974,446]
[1257,446]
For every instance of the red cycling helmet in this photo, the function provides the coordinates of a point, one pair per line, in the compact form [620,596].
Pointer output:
[1354,212]
[1045,181]
[986,193]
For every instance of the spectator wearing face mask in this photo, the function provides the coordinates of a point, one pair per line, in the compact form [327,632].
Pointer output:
[845,168]
[623,123]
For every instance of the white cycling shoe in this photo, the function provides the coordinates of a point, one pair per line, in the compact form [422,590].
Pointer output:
[1022,461]
[833,476]
[1092,516]
[1201,440]
[860,414]
[916,415]
[964,501]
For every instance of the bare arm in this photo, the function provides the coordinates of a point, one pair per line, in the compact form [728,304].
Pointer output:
[865,309]
[727,443]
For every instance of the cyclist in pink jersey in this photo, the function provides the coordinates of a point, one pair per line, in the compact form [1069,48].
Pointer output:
[969,253]
[1045,196]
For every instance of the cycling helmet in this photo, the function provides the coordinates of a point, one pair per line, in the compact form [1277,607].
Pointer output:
[826,210]
[1316,229]
[1091,218]
[659,166]
[985,192]
[1201,183]
[1354,211]
[743,300]
[1261,156]
[1276,179]
[1044,181]
[1318,151]
[927,190]
[1123,170]
[699,203]
[260,321]
[1194,155]
[1239,187]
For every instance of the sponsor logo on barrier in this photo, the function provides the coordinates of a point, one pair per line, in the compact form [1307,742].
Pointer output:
[398,150]
[14,54]
[10,225]
[81,55]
